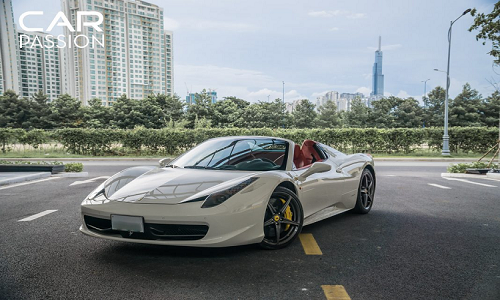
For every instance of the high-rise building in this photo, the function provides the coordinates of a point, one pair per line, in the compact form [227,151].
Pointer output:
[169,62]
[378,77]
[329,96]
[134,59]
[39,67]
[9,48]
[191,97]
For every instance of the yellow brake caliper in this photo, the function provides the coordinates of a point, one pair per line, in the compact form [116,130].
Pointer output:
[288,214]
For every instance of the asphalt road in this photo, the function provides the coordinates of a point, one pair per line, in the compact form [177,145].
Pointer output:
[420,241]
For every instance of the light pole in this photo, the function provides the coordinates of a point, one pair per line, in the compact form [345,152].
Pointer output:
[425,90]
[446,138]
[284,108]
[268,97]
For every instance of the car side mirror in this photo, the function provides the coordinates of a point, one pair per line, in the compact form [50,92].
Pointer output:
[164,161]
[317,167]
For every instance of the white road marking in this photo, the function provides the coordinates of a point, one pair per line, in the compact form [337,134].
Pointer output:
[38,215]
[27,182]
[89,180]
[390,175]
[468,181]
[439,186]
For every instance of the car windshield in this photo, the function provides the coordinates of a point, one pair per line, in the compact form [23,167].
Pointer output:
[246,154]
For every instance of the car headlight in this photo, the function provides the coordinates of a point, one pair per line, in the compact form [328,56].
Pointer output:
[217,198]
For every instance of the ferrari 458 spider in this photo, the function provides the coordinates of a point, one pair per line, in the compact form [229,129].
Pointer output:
[231,191]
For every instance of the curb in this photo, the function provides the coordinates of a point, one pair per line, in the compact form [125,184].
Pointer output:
[87,159]
[495,176]
[451,160]
[79,174]
[30,177]
[490,176]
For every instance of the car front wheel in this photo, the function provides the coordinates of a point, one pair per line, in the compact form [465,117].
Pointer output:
[283,219]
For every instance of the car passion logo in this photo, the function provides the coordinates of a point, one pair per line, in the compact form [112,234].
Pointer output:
[69,41]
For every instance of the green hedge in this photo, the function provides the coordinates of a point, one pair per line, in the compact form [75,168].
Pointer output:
[173,141]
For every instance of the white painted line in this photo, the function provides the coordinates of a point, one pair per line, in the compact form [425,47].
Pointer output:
[439,186]
[38,215]
[88,180]
[26,183]
[390,175]
[472,182]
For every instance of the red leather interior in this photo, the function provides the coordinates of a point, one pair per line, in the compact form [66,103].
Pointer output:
[305,155]
[298,157]
[310,154]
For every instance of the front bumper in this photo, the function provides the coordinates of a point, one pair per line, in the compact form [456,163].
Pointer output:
[227,225]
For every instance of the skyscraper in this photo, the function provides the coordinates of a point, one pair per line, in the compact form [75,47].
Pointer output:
[378,77]
[134,59]
[9,48]
[39,67]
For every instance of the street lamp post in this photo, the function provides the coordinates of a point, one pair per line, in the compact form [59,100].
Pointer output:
[425,89]
[446,137]
[284,108]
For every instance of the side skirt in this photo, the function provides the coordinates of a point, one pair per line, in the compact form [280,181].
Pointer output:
[324,214]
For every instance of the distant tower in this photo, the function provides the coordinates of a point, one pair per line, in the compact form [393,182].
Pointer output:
[378,77]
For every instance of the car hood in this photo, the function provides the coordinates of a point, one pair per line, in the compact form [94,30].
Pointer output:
[172,185]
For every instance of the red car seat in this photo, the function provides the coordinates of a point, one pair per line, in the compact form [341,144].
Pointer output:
[298,157]
[310,154]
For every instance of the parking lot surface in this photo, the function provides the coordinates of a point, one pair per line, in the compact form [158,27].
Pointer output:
[427,237]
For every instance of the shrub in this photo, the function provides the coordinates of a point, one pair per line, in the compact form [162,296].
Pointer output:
[73,167]
[462,167]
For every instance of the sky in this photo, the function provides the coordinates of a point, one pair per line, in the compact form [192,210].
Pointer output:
[248,48]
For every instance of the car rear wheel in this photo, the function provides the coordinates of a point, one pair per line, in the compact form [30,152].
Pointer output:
[283,219]
[366,192]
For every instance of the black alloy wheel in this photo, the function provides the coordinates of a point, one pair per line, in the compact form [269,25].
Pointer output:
[283,219]
[366,192]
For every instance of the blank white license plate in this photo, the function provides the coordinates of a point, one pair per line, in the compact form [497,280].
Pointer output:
[127,223]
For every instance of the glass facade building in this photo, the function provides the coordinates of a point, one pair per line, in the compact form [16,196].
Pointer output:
[378,77]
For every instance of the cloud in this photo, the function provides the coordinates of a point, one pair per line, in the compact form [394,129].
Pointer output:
[327,13]
[170,24]
[250,85]
[224,26]
[364,90]
[334,29]
[356,16]
[386,47]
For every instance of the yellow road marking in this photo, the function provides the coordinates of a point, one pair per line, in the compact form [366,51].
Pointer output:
[309,244]
[335,292]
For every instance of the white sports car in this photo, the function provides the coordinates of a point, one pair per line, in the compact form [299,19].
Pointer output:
[231,191]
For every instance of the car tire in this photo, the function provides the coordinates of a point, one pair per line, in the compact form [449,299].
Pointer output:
[284,215]
[366,192]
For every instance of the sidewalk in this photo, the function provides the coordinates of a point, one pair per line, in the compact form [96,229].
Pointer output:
[16,177]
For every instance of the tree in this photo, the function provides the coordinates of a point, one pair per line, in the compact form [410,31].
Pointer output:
[95,115]
[264,114]
[328,116]
[304,115]
[489,29]
[127,113]
[14,111]
[202,108]
[40,111]
[240,103]
[359,114]
[490,110]
[225,114]
[434,107]
[408,114]
[66,112]
[464,109]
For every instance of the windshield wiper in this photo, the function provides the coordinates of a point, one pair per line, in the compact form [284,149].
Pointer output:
[200,167]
